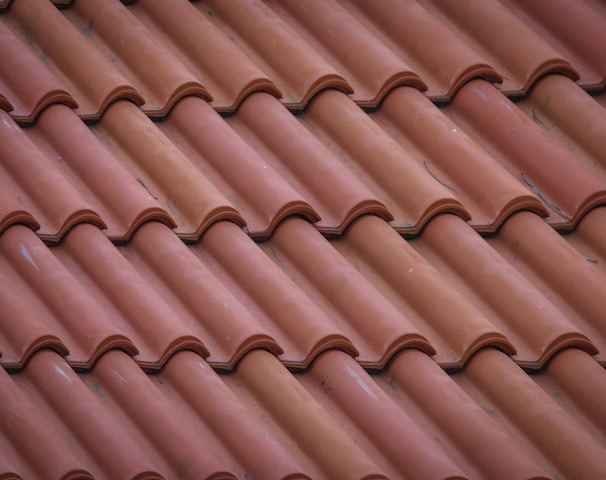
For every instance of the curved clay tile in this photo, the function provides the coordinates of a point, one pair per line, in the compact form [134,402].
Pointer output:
[589,238]
[26,85]
[513,303]
[575,29]
[410,284]
[131,304]
[475,442]
[166,174]
[147,416]
[294,66]
[561,273]
[63,315]
[407,189]
[222,68]
[267,293]
[94,435]
[402,447]
[38,186]
[515,51]
[482,185]
[258,192]
[369,67]
[437,55]
[578,383]
[305,163]
[134,51]
[518,142]
[572,117]
[121,202]
[343,294]
[532,418]
[89,78]
[250,447]
[193,296]
[30,441]
[326,449]
[13,212]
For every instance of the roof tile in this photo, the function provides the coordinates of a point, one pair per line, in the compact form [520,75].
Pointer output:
[489,281]
[60,48]
[165,173]
[135,52]
[519,143]
[408,191]
[293,65]
[213,58]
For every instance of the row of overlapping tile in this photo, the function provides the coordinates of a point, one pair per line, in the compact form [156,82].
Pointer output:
[96,51]
[76,402]
[226,295]
[334,421]
[405,163]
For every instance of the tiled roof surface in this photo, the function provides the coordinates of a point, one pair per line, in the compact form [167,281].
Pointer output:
[311,239]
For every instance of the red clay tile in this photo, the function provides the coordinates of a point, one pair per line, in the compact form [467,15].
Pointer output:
[514,50]
[29,444]
[442,61]
[136,53]
[409,283]
[121,202]
[208,403]
[410,193]
[256,190]
[589,238]
[369,67]
[306,164]
[189,296]
[312,435]
[130,302]
[267,293]
[575,29]
[564,276]
[571,117]
[52,303]
[166,174]
[88,77]
[35,188]
[222,68]
[532,418]
[481,184]
[91,431]
[345,296]
[578,384]
[26,86]
[294,66]
[567,187]
[400,447]
[444,411]
[514,303]
[160,431]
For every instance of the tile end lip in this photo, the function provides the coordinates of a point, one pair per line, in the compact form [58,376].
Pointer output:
[400,79]
[219,214]
[367,207]
[19,217]
[255,342]
[489,340]
[45,342]
[187,343]
[572,340]
[329,342]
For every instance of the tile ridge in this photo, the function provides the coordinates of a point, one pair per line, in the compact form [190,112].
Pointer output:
[481,71]
[5,104]
[525,202]
[365,207]
[260,85]
[19,216]
[329,342]
[255,342]
[113,342]
[552,66]
[121,92]
[80,216]
[438,207]
[294,208]
[45,342]
[328,81]
[409,341]
[565,341]
[188,89]
[400,79]
[183,343]
[217,214]
[57,96]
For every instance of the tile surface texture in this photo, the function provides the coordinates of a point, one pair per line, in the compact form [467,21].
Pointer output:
[329,239]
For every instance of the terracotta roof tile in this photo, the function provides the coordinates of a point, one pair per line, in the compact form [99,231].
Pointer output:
[294,66]
[61,57]
[324,239]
